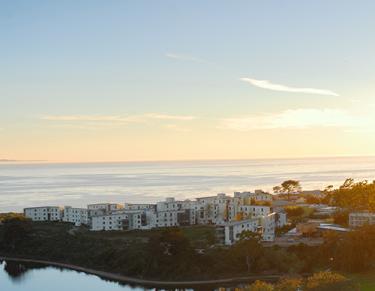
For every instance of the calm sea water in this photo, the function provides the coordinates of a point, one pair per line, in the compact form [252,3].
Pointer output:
[38,184]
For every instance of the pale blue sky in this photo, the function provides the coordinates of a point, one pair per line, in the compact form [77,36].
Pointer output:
[64,63]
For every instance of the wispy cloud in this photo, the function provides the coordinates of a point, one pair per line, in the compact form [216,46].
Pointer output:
[184,57]
[177,123]
[87,118]
[119,118]
[265,84]
[298,119]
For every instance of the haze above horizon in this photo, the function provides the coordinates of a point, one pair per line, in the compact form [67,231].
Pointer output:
[86,81]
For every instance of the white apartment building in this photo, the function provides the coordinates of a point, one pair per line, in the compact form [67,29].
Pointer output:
[107,207]
[170,204]
[119,220]
[139,206]
[281,219]
[231,214]
[215,209]
[268,223]
[96,212]
[230,232]
[43,213]
[166,218]
[357,219]
[184,211]
[78,216]
[251,211]
[258,195]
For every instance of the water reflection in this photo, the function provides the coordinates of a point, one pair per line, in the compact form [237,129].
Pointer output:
[16,276]
[16,271]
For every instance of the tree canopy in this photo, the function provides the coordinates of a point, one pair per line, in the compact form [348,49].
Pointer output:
[288,187]
[354,196]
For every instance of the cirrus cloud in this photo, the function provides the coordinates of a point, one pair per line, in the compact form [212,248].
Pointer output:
[265,84]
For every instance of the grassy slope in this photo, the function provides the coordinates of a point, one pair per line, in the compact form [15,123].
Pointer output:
[366,281]
[124,252]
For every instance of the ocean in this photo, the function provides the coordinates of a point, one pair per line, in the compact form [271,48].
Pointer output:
[78,184]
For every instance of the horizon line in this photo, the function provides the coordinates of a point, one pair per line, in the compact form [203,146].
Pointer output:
[15,161]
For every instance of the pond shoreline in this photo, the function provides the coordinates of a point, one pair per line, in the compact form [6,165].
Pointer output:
[138,281]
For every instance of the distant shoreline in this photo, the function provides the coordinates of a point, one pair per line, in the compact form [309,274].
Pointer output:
[188,160]
[145,282]
[22,161]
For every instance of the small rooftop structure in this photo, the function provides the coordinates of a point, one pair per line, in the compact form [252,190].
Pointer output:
[333,227]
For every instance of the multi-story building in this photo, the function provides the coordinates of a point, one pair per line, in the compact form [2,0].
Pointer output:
[139,206]
[119,220]
[232,214]
[258,196]
[173,213]
[107,207]
[268,223]
[215,209]
[357,219]
[230,232]
[77,216]
[250,211]
[166,218]
[281,219]
[43,213]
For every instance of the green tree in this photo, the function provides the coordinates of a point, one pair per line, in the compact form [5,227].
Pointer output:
[277,189]
[294,211]
[248,249]
[9,215]
[288,187]
[170,254]
[355,251]
[291,186]
[354,196]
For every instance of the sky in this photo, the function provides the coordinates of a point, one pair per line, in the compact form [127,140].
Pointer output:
[85,81]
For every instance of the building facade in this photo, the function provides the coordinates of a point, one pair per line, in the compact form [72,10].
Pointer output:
[43,213]
[232,215]
[357,219]
[119,220]
[78,216]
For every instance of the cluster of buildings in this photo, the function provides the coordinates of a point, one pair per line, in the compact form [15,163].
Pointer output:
[244,211]
[357,219]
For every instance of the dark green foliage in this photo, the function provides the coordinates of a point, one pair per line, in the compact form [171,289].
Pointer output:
[170,254]
[353,196]
[16,231]
[288,187]
[294,211]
